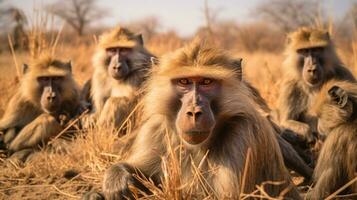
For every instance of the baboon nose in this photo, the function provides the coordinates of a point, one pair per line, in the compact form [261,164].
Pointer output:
[51,97]
[194,115]
[312,71]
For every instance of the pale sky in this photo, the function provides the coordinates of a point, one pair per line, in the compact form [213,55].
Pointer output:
[184,16]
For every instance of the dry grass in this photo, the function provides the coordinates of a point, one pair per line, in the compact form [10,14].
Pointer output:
[67,169]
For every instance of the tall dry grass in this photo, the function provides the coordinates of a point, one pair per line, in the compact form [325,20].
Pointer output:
[67,169]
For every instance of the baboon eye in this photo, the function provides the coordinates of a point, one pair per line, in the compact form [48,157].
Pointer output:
[111,51]
[183,81]
[43,79]
[302,51]
[57,78]
[207,81]
[125,51]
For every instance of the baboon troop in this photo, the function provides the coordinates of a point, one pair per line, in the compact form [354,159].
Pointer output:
[193,107]
[121,64]
[48,97]
[194,100]
[335,108]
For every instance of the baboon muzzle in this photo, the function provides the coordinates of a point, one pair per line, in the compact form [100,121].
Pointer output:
[50,100]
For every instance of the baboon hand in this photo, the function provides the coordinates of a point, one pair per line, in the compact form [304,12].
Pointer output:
[117,182]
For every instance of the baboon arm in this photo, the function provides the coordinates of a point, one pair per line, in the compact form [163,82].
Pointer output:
[114,112]
[296,126]
[99,92]
[292,107]
[144,157]
[292,159]
[149,146]
[18,113]
[38,132]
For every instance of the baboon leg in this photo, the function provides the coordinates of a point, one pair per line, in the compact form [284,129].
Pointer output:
[21,156]
[9,135]
[292,159]
[114,112]
[38,132]
[117,182]
[298,144]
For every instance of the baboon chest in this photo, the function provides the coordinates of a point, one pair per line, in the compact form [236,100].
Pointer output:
[123,90]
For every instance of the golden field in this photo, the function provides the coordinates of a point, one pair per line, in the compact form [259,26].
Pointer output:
[70,170]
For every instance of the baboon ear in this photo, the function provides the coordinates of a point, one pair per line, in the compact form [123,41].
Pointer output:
[154,61]
[68,66]
[238,64]
[140,39]
[25,68]
[338,96]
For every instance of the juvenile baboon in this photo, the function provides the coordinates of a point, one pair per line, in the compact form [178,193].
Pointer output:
[121,64]
[311,61]
[195,102]
[336,109]
[46,99]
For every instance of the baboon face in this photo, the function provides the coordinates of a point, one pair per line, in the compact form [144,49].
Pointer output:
[339,108]
[311,61]
[50,88]
[195,118]
[118,62]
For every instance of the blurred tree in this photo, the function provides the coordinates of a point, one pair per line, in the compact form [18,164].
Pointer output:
[352,14]
[210,16]
[14,19]
[18,32]
[147,26]
[77,13]
[289,14]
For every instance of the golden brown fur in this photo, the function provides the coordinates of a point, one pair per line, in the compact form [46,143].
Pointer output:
[239,128]
[337,163]
[114,99]
[26,124]
[296,95]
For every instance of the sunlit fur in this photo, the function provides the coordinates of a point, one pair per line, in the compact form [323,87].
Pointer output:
[239,128]
[104,87]
[337,163]
[24,111]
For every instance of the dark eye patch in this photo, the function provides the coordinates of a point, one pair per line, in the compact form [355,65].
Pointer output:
[57,78]
[303,52]
[47,79]
[43,79]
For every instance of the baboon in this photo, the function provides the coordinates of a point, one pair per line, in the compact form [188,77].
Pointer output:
[311,61]
[121,64]
[336,109]
[194,102]
[291,158]
[47,98]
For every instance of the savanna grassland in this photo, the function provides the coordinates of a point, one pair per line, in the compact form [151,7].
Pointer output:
[69,168]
